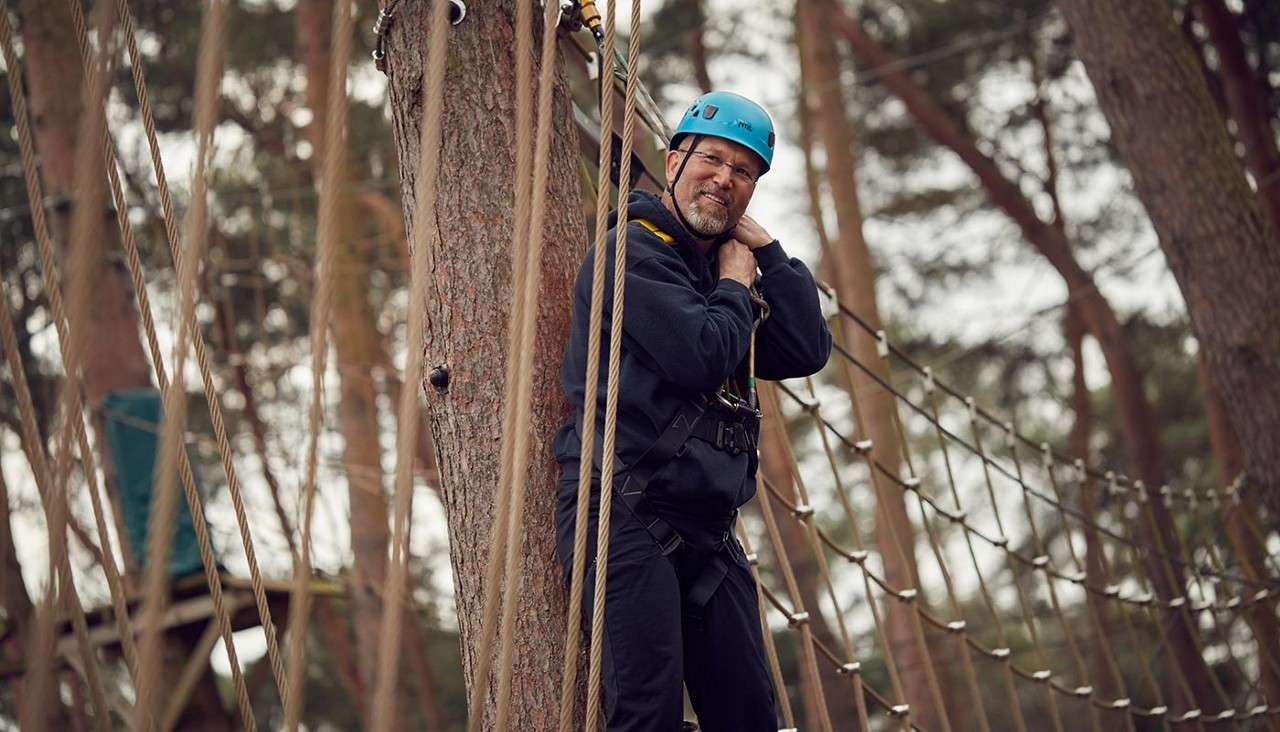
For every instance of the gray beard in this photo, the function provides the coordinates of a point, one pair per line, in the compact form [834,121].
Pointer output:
[706,222]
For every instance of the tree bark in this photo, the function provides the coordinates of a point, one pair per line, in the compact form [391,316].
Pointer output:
[695,42]
[1108,683]
[854,277]
[1242,532]
[1243,91]
[1221,246]
[14,600]
[356,344]
[468,301]
[113,355]
[775,467]
[1137,419]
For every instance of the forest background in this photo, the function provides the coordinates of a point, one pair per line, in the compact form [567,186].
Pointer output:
[955,282]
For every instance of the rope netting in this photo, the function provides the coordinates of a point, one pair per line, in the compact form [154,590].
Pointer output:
[1044,588]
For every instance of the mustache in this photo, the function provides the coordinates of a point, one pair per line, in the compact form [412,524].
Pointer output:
[714,190]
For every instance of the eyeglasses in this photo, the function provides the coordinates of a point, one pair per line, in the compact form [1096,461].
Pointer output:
[740,174]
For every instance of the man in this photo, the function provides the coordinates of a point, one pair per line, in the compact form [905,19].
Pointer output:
[680,599]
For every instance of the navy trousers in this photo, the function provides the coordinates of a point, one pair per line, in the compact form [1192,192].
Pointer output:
[654,641]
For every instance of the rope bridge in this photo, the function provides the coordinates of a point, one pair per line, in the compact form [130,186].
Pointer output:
[1042,582]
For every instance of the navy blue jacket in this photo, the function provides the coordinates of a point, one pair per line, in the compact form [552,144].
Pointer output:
[685,331]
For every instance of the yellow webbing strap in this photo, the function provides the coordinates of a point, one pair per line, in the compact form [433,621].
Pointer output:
[653,229]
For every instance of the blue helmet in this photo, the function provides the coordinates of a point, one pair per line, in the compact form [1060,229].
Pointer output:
[732,117]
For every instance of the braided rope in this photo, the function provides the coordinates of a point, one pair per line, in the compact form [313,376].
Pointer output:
[504,519]
[84,248]
[75,417]
[426,181]
[529,304]
[322,305]
[569,671]
[59,564]
[604,511]
[208,80]
[211,394]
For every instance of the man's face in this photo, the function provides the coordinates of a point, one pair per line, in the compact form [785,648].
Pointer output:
[716,185]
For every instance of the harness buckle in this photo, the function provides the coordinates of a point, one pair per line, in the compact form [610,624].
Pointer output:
[727,434]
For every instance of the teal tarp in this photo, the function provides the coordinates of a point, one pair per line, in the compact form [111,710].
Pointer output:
[133,431]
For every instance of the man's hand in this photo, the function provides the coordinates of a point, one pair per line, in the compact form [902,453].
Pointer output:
[737,263]
[750,233]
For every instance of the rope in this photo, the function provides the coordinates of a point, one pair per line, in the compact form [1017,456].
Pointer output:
[202,359]
[800,619]
[208,81]
[771,648]
[512,417]
[528,323]
[587,451]
[425,183]
[604,513]
[75,417]
[83,248]
[321,307]
[59,564]
[134,263]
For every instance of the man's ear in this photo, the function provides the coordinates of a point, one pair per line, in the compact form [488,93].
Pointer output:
[670,165]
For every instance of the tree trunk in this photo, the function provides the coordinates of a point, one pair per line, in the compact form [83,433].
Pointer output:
[1137,419]
[695,42]
[1221,246]
[356,344]
[1108,683]
[468,301]
[854,277]
[14,600]
[1241,531]
[775,468]
[1243,91]
[113,355]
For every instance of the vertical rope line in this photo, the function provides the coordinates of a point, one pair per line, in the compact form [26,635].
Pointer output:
[1060,502]
[211,393]
[208,81]
[1124,608]
[1028,618]
[541,161]
[1011,690]
[587,427]
[83,247]
[1249,617]
[53,290]
[957,628]
[1042,553]
[604,510]
[425,185]
[59,567]
[500,533]
[806,518]
[321,306]
[771,648]
[500,528]
[897,543]
[615,352]
[799,620]
[1147,508]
